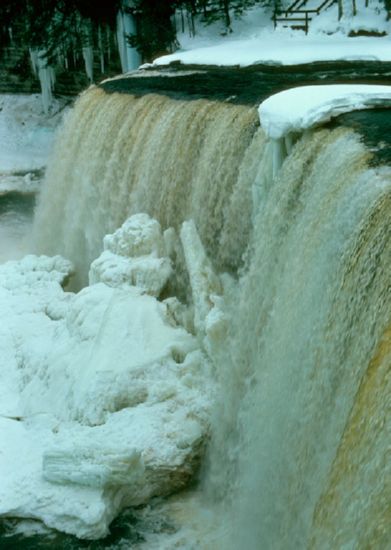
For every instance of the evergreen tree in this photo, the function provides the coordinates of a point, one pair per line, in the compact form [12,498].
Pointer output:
[50,24]
[156,34]
[45,24]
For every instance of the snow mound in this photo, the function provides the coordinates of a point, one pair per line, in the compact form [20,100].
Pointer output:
[105,399]
[301,108]
[26,132]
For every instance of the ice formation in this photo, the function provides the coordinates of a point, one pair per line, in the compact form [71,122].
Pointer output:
[126,26]
[288,113]
[135,254]
[46,76]
[105,398]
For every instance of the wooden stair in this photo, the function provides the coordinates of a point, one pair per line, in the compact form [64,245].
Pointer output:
[297,17]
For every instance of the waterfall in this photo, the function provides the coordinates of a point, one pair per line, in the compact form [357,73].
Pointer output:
[175,160]
[297,456]
[298,419]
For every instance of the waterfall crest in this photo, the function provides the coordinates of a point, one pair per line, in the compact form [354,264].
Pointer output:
[297,444]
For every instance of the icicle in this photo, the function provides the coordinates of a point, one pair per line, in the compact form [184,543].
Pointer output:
[46,76]
[288,143]
[88,56]
[279,154]
[87,49]
[34,61]
[126,25]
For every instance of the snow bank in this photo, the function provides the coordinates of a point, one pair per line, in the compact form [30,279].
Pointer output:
[300,108]
[104,398]
[282,48]
[26,132]
[369,19]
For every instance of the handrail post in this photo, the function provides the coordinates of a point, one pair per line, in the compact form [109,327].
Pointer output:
[306,22]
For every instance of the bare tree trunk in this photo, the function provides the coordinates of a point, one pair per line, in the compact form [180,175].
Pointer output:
[225,5]
[340,9]
[354,7]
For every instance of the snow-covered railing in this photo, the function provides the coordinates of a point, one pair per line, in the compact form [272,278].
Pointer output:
[299,18]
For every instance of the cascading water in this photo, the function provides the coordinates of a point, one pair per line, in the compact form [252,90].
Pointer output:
[312,309]
[296,454]
[119,155]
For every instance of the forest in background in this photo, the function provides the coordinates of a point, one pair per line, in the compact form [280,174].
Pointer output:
[79,40]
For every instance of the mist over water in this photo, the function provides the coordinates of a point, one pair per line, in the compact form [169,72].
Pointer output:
[297,452]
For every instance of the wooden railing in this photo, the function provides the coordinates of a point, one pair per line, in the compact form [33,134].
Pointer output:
[297,17]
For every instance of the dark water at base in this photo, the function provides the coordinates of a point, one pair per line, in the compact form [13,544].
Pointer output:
[20,204]
[128,531]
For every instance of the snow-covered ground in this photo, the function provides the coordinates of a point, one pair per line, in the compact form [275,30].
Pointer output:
[105,391]
[254,39]
[283,48]
[26,133]
[26,138]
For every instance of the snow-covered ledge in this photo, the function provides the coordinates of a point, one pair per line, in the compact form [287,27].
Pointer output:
[298,109]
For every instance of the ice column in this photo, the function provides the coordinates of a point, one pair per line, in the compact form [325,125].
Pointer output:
[88,56]
[45,74]
[126,25]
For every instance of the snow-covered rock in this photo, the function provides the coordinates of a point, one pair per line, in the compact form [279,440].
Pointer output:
[148,273]
[298,109]
[140,235]
[134,255]
[104,398]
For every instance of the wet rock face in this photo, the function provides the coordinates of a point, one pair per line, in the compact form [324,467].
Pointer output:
[374,125]
[246,85]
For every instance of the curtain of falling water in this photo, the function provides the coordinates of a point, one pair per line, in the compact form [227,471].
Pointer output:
[299,444]
[119,155]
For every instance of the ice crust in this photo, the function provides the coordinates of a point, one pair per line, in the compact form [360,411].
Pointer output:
[298,109]
[104,398]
